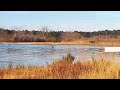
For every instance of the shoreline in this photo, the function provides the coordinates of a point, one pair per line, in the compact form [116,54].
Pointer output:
[102,43]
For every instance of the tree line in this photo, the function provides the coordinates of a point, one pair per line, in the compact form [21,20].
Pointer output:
[55,36]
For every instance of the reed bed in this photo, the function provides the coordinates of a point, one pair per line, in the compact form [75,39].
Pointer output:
[95,69]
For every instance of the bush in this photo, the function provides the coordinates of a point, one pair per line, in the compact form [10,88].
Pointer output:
[92,41]
[69,58]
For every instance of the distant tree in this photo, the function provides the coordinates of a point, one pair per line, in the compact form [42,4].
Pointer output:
[70,36]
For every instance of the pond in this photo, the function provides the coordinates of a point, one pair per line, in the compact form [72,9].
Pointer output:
[40,54]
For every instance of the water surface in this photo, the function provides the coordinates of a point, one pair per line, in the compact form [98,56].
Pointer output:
[40,54]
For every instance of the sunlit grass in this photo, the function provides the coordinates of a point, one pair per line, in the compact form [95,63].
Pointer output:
[77,42]
[96,69]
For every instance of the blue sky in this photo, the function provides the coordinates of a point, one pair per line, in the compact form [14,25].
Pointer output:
[61,20]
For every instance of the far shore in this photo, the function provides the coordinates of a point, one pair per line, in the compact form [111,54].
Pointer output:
[100,43]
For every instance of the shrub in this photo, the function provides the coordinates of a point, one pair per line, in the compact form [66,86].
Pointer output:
[69,58]
[92,41]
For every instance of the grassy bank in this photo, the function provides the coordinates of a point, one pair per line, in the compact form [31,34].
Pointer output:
[96,69]
[81,42]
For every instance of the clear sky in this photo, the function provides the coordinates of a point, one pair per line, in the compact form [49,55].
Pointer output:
[61,20]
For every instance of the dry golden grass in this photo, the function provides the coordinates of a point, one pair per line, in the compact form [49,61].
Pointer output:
[97,69]
[79,42]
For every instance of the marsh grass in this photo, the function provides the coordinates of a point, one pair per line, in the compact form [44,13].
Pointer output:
[77,42]
[95,69]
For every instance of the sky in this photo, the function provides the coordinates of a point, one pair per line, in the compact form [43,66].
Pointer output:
[61,20]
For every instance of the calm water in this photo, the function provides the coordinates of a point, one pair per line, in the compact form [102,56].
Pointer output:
[40,54]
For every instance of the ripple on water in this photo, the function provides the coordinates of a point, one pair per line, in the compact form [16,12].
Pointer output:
[40,54]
